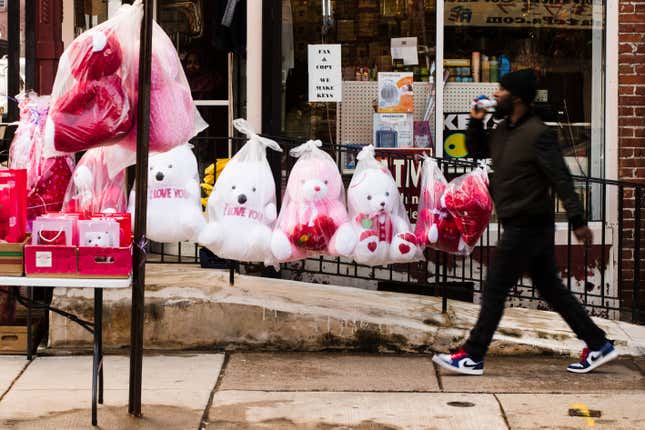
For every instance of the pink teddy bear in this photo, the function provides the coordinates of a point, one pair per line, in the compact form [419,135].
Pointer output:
[313,219]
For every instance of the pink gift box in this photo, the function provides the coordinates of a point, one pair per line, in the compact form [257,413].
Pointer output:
[104,262]
[50,260]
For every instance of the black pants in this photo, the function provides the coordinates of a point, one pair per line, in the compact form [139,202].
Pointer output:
[528,249]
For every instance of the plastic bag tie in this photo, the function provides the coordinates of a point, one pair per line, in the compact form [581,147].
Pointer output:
[366,153]
[308,146]
[244,127]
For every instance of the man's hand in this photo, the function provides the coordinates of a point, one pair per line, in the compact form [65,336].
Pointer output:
[584,235]
[478,114]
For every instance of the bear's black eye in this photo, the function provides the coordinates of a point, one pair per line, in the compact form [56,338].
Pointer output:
[233,187]
[326,182]
[170,166]
[151,169]
[99,238]
[253,189]
[387,193]
[369,197]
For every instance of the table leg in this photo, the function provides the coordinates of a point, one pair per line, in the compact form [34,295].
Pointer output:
[30,338]
[97,363]
[99,319]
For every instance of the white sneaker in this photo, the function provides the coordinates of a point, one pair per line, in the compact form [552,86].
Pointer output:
[460,362]
[592,359]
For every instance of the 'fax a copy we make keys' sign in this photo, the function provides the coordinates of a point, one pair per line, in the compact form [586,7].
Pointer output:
[325,74]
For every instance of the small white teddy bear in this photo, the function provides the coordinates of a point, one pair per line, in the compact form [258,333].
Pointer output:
[100,239]
[378,215]
[174,207]
[241,209]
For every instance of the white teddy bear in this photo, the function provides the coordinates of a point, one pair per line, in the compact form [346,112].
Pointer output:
[378,215]
[241,209]
[174,207]
[101,239]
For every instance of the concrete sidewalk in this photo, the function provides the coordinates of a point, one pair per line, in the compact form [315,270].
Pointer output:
[321,391]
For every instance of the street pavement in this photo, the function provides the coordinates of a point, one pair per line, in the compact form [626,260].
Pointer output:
[322,391]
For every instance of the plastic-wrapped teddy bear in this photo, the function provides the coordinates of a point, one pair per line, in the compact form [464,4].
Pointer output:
[241,208]
[378,215]
[174,209]
[468,200]
[90,105]
[452,217]
[92,190]
[436,227]
[313,219]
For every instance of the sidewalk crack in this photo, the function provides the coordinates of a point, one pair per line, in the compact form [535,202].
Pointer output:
[501,409]
[2,396]
[438,375]
[205,416]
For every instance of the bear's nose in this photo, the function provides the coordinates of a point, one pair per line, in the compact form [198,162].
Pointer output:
[383,204]
[159,176]
[241,199]
[316,189]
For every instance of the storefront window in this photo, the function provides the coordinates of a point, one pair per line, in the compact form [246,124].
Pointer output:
[366,32]
[483,39]
[562,41]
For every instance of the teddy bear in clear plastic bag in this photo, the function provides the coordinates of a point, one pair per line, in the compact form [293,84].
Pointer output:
[378,215]
[313,219]
[92,190]
[242,205]
[174,211]
[452,216]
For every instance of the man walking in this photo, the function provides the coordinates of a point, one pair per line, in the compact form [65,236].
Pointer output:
[527,162]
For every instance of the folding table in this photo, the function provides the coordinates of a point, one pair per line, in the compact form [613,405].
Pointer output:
[94,327]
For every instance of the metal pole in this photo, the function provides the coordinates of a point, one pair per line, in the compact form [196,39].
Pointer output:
[30,44]
[13,57]
[141,177]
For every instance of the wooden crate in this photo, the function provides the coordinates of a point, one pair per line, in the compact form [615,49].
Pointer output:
[12,258]
[13,337]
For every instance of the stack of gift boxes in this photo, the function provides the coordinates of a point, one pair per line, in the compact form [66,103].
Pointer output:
[60,244]
[69,244]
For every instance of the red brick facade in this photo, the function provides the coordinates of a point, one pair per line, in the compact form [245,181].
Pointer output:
[631,132]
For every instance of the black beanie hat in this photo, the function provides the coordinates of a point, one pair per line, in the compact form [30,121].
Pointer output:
[521,84]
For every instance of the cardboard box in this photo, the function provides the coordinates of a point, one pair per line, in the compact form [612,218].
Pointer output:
[393,130]
[13,337]
[12,257]
[95,262]
[395,93]
[54,261]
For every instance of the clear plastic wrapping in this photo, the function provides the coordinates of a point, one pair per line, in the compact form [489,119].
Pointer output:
[174,212]
[242,206]
[91,189]
[94,99]
[313,219]
[452,217]
[378,216]
[47,177]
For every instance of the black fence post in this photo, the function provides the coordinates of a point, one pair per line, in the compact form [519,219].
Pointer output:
[637,255]
[141,243]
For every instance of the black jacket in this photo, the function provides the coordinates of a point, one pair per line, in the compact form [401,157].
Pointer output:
[527,163]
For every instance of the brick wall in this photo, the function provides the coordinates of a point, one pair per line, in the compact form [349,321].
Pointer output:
[631,132]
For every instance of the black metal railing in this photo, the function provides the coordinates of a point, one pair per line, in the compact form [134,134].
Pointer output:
[605,276]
